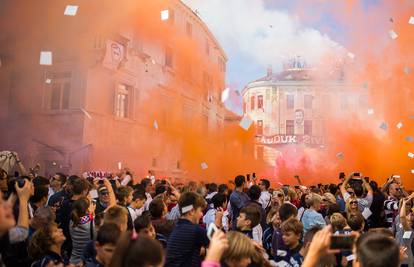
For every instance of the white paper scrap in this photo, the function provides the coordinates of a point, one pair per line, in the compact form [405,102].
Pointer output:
[352,56]
[71,10]
[186,209]
[411,20]
[45,58]
[225,95]
[350,257]
[407,234]
[366,213]
[165,14]
[86,113]
[412,171]
[393,35]
[410,155]
[119,165]
[48,81]
[155,125]
[399,125]
[245,123]
[204,166]
[370,111]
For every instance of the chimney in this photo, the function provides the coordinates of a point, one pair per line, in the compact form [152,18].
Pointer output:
[269,71]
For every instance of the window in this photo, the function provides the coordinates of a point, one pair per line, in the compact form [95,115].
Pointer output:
[189,29]
[308,127]
[290,101]
[290,127]
[260,127]
[260,102]
[154,162]
[122,101]
[308,101]
[169,57]
[60,94]
[178,165]
[260,152]
[252,98]
[244,107]
[222,64]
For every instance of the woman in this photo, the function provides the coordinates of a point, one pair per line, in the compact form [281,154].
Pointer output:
[133,250]
[45,246]
[351,205]
[278,198]
[81,227]
[311,217]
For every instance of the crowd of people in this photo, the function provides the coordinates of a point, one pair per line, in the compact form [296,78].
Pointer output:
[121,220]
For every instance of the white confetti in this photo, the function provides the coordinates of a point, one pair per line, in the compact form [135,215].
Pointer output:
[350,257]
[370,111]
[45,58]
[204,166]
[165,14]
[225,95]
[393,35]
[119,165]
[410,155]
[399,125]
[352,56]
[245,123]
[411,20]
[86,113]
[412,171]
[155,125]
[71,10]
[48,81]
[407,234]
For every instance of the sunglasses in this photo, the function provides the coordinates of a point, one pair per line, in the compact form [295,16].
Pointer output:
[105,194]
[354,202]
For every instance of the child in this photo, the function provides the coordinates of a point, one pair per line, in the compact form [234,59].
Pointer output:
[187,239]
[249,217]
[105,245]
[136,207]
[292,230]
[143,225]
[219,202]
[297,259]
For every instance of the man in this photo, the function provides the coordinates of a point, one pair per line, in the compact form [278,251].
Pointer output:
[212,190]
[56,183]
[147,185]
[374,249]
[265,196]
[391,203]
[238,199]
[55,201]
[102,201]
[248,219]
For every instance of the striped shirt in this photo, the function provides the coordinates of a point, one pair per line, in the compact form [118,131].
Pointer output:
[390,210]
[184,244]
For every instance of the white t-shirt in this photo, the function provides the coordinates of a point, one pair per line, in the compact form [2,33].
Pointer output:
[265,198]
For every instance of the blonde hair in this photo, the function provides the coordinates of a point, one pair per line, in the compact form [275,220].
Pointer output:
[348,204]
[314,198]
[338,221]
[240,247]
[117,215]
[292,194]
[330,198]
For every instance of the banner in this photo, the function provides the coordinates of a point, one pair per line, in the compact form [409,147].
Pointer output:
[291,139]
[115,53]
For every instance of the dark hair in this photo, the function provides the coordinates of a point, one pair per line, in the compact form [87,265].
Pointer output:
[358,190]
[156,208]
[333,188]
[332,208]
[123,192]
[377,250]
[218,200]
[143,221]
[40,181]
[303,201]
[79,209]
[139,252]
[286,211]
[41,241]
[138,194]
[266,183]
[374,185]
[252,213]
[191,198]
[222,188]
[307,238]
[40,192]
[62,177]
[212,187]
[80,186]
[355,221]
[108,233]
[145,182]
[254,192]
[239,180]
[159,189]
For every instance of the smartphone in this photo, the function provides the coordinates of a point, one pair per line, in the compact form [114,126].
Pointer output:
[341,175]
[356,174]
[212,228]
[342,242]
[248,177]
[254,175]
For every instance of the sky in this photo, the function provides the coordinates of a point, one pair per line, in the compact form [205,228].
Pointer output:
[257,34]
